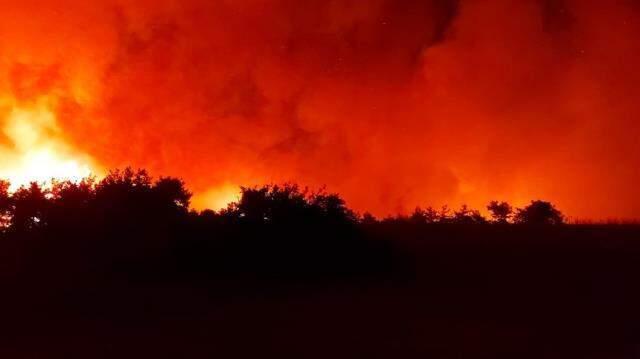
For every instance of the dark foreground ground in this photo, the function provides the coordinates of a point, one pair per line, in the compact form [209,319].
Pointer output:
[452,293]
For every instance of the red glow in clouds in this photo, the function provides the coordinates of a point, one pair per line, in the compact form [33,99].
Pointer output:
[392,103]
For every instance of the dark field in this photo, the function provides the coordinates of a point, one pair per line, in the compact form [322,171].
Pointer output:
[440,291]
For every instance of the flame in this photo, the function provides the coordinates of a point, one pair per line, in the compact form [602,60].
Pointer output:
[34,148]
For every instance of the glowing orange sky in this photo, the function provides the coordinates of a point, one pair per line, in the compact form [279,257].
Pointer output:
[392,103]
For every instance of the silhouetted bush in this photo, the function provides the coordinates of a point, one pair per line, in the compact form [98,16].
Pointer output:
[539,213]
[501,212]
[468,216]
[30,208]
[428,215]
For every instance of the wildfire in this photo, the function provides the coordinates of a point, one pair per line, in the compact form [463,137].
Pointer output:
[391,104]
[34,148]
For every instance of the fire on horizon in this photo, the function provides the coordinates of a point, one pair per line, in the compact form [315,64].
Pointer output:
[391,103]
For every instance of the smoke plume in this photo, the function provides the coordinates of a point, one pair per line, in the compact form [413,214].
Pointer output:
[392,103]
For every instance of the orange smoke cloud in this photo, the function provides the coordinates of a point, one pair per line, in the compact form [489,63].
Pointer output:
[392,103]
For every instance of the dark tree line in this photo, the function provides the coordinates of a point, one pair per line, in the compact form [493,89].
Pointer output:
[130,197]
[129,219]
[538,213]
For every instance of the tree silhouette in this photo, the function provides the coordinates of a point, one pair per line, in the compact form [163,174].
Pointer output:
[288,204]
[130,200]
[332,207]
[368,219]
[69,194]
[30,207]
[418,216]
[444,215]
[253,206]
[467,216]
[501,212]
[5,204]
[539,213]
[428,215]
[171,192]
[70,203]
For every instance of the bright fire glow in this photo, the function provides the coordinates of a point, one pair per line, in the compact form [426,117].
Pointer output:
[34,150]
[217,198]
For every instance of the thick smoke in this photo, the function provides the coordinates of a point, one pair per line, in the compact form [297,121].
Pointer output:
[392,103]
